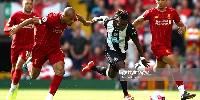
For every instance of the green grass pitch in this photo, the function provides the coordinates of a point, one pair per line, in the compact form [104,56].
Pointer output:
[62,94]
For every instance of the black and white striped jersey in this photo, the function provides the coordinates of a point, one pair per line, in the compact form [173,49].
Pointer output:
[117,39]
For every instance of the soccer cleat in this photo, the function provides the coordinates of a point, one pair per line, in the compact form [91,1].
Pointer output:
[128,97]
[88,67]
[11,95]
[15,92]
[187,95]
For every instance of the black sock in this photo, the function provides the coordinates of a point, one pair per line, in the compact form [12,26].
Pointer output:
[99,69]
[124,87]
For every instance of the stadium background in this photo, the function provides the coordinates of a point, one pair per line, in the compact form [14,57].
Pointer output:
[185,47]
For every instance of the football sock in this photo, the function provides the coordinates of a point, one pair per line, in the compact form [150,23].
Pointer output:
[12,72]
[124,87]
[16,76]
[49,96]
[55,84]
[13,87]
[181,89]
[177,78]
[99,69]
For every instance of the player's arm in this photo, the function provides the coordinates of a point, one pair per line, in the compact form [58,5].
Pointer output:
[139,20]
[16,28]
[181,27]
[101,18]
[82,20]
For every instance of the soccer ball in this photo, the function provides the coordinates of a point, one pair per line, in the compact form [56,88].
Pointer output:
[157,96]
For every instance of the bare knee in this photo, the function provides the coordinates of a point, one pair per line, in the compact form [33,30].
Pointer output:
[176,65]
[34,76]
[60,72]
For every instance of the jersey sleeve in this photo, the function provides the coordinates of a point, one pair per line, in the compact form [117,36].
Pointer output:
[11,22]
[176,17]
[132,32]
[145,15]
[105,21]
[50,18]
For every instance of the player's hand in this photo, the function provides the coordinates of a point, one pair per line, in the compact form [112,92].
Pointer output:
[13,30]
[145,63]
[95,19]
[181,30]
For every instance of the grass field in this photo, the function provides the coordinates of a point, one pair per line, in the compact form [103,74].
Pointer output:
[40,94]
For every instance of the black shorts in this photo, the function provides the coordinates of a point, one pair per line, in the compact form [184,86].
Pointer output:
[114,57]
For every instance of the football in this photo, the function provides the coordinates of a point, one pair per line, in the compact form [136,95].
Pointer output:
[157,96]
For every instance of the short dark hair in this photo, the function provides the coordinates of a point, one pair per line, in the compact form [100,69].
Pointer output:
[122,14]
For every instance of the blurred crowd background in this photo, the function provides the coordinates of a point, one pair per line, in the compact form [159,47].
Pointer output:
[75,40]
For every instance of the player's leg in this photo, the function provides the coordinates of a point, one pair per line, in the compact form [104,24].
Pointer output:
[172,61]
[57,60]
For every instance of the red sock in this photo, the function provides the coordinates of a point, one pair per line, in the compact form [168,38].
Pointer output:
[16,76]
[12,72]
[55,84]
[177,78]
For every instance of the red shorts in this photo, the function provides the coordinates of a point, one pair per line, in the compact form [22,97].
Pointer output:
[41,54]
[160,51]
[19,52]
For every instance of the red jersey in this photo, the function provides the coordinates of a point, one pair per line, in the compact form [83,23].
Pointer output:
[49,31]
[161,25]
[24,37]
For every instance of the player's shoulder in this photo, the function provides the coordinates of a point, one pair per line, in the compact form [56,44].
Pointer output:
[54,14]
[171,9]
[17,13]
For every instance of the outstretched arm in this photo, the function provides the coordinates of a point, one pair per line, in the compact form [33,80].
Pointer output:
[16,28]
[181,27]
[139,48]
[139,20]
[82,20]
[101,18]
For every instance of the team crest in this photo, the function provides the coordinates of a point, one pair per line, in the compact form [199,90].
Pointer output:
[167,51]
[22,19]
[115,34]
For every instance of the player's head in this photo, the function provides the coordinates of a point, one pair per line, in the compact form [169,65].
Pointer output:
[27,5]
[161,4]
[69,15]
[122,17]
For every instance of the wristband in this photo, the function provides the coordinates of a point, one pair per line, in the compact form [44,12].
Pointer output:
[142,58]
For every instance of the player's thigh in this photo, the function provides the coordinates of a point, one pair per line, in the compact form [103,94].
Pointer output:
[57,60]
[35,72]
[111,73]
[14,55]
[171,60]
[25,53]
[59,68]
[39,57]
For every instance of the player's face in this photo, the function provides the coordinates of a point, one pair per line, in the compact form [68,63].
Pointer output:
[69,19]
[27,5]
[161,4]
[122,24]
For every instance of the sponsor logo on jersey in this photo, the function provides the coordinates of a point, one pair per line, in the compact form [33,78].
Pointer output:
[163,22]
[115,40]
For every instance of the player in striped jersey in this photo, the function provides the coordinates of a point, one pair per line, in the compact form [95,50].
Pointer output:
[119,30]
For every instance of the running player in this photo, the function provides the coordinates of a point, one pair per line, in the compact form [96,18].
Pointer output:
[22,44]
[47,43]
[119,30]
[161,21]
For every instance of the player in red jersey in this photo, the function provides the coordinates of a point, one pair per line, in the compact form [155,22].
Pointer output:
[161,20]
[22,44]
[47,43]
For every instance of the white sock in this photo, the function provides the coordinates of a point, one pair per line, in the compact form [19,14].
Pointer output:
[49,96]
[107,72]
[13,87]
[181,89]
